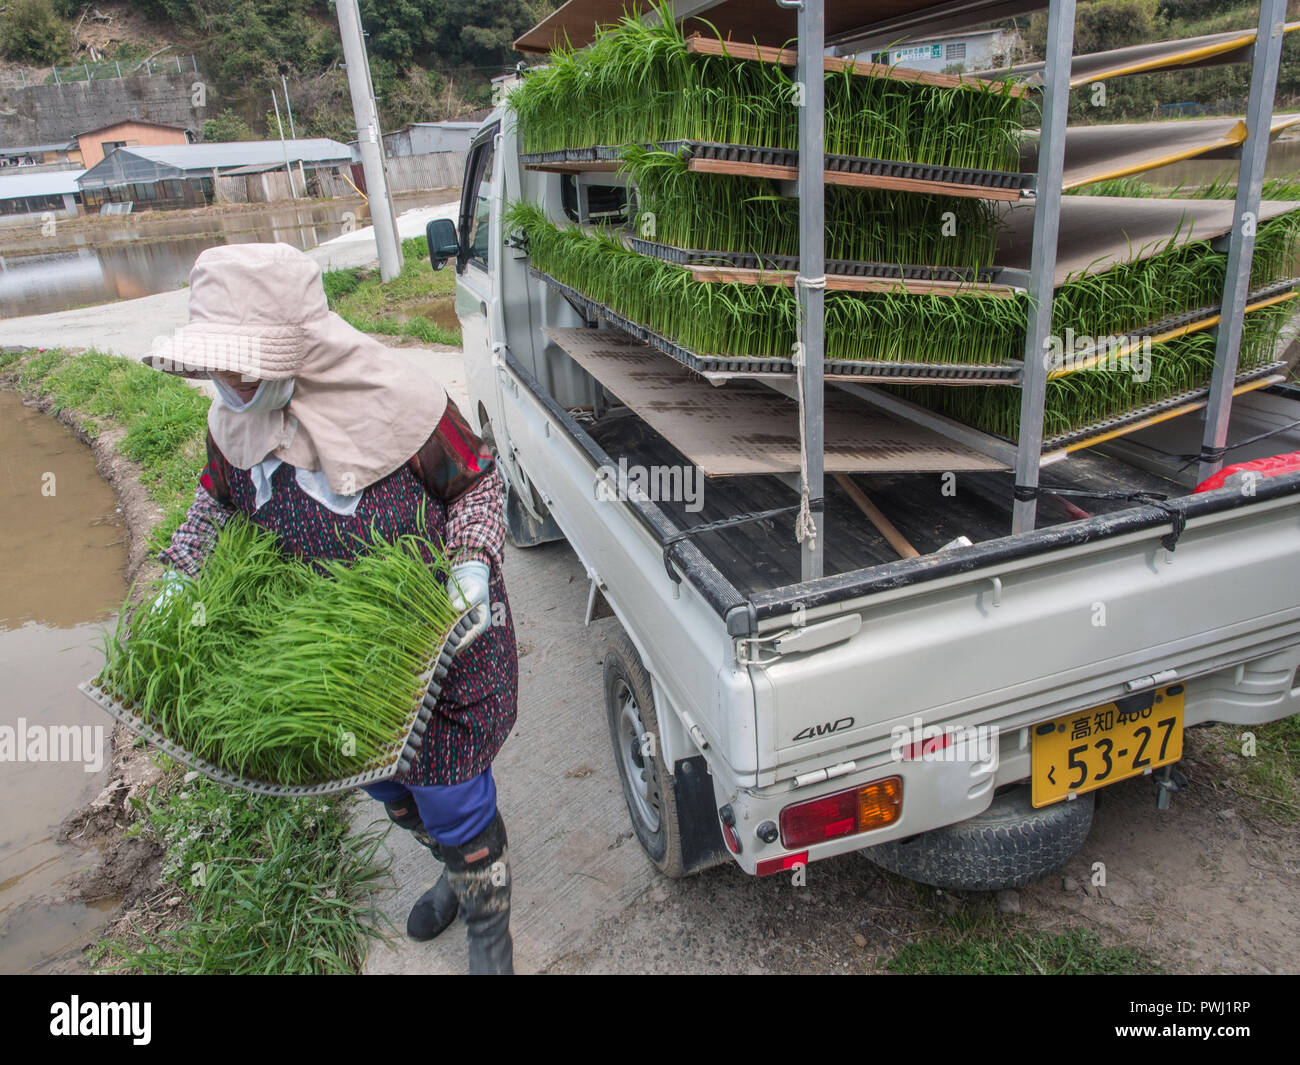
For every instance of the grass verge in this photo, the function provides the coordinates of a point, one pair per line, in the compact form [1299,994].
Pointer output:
[976,940]
[419,302]
[262,885]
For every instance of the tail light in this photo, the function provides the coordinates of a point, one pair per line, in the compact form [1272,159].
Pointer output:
[768,866]
[845,813]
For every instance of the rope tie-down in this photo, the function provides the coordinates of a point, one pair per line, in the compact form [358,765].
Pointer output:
[805,528]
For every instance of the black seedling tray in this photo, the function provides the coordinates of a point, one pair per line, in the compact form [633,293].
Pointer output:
[846,267]
[1137,414]
[786,157]
[739,364]
[394,759]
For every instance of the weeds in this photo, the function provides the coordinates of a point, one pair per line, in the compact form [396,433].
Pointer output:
[272,886]
[398,307]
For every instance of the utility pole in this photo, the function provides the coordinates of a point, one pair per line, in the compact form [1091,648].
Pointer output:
[368,139]
[287,169]
[293,133]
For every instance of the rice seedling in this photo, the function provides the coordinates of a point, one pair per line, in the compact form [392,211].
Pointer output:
[1078,400]
[715,212]
[639,83]
[265,663]
[1132,294]
[760,321]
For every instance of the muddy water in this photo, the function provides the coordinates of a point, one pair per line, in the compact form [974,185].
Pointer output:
[149,253]
[63,551]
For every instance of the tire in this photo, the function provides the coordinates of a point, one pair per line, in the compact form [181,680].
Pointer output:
[1006,846]
[638,753]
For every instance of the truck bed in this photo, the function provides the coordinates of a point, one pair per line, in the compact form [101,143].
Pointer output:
[763,555]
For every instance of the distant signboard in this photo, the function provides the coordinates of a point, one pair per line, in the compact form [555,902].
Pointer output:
[909,55]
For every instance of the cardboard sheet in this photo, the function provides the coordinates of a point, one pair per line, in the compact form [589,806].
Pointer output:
[747,428]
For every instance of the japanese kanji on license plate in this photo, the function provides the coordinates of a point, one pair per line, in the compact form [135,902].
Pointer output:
[1090,749]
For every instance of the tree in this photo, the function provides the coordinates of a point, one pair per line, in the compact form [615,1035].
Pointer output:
[227,126]
[31,32]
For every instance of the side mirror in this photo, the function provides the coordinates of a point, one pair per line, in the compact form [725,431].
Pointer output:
[440,234]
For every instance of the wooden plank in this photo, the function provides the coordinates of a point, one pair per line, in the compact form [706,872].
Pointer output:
[848,283]
[856,181]
[877,518]
[789,57]
[749,429]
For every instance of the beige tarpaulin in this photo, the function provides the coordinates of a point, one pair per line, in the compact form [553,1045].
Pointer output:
[1210,50]
[1100,153]
[1099,231]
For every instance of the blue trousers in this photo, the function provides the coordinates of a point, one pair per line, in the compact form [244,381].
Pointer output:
[453,814]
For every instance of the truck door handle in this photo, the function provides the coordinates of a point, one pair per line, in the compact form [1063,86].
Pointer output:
[482,308]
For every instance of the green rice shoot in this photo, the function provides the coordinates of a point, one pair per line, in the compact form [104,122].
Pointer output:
[637,84]
[282,670]
[1085,398]
[761,321]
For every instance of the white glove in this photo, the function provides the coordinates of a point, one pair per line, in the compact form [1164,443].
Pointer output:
[174,584]
[469,591]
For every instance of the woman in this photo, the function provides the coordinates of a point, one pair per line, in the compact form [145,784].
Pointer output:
[324,436]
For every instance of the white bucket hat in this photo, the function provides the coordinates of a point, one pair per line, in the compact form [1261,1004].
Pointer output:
[359,410]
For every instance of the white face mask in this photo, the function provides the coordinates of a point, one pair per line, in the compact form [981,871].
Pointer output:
[270,395]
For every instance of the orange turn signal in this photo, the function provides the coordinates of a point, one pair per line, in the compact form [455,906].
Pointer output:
[846,813]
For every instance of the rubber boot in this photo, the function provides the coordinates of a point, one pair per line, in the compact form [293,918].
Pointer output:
[479,874]
[434,912]
[436,909]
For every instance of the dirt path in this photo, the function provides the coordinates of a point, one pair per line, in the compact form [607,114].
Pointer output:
[1200,892]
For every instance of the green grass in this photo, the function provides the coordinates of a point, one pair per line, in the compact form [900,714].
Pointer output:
[402,306]
[978,951]
[1273,773]
[638,84]
[1179,278]
[270,886]
[963,934]
[286,888]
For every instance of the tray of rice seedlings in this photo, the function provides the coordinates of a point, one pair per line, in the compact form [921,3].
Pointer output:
[713,219]
[1179,279]
[284,677]
[1085,404]
[739,328]
[638,84]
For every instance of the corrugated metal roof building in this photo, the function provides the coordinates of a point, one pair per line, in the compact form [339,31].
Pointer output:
[183,175]
[23,194]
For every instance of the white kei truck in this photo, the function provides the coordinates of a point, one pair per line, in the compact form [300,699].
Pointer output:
[954,714]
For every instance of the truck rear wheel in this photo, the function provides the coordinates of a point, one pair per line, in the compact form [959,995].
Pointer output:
[634,732]
[1008,845]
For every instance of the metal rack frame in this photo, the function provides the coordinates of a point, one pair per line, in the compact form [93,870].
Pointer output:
[1051,159]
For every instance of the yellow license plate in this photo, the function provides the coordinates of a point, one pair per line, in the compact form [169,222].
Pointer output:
[1092,748]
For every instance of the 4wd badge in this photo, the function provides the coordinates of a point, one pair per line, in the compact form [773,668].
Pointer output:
[813,731]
